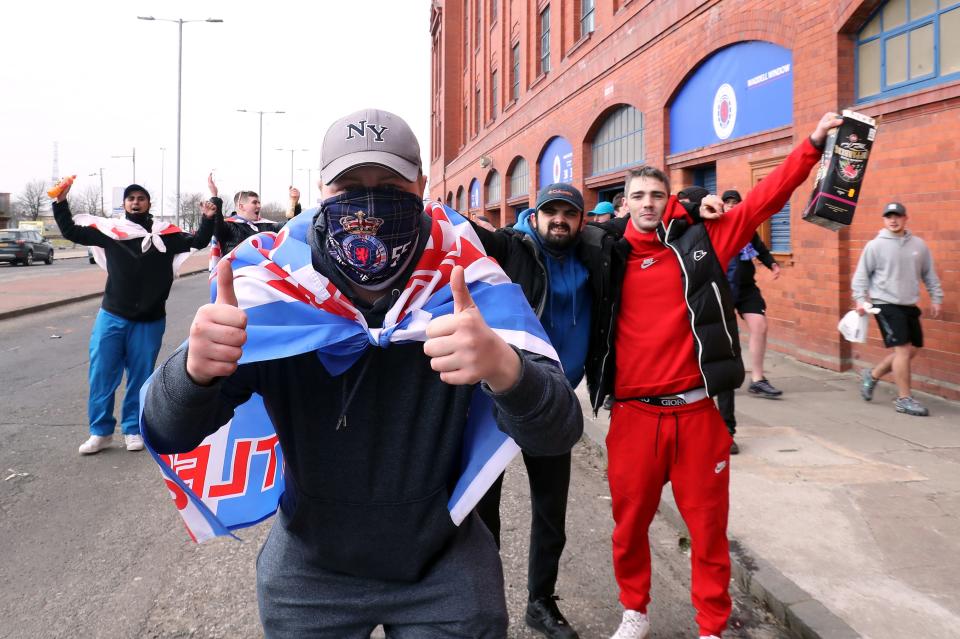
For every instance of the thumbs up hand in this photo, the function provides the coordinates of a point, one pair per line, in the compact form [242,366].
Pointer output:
[464,350]
[217,334]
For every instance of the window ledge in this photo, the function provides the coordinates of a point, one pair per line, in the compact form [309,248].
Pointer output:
[540,78]
[579,43]
[902,102]
[509,105]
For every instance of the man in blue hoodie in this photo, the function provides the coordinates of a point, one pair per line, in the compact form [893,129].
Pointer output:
[549,255]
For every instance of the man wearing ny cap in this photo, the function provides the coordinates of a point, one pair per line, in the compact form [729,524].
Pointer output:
[139,260]
[888,276]
[560,264]
[363,536]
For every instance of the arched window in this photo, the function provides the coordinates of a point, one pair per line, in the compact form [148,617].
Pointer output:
[519,178]
[493,188]
[619,141]
[461,200]
[450,199]
[474,194]
[907,45]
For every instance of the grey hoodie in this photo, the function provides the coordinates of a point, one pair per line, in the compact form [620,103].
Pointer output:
[890,269]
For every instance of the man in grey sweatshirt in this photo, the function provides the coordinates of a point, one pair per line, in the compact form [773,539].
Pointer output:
[888,277]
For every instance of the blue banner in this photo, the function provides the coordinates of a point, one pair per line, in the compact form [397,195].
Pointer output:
[556,163]
[743,89]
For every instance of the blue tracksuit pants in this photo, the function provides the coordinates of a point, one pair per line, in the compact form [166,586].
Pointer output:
[118,344]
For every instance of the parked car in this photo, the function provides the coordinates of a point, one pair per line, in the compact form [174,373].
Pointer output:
[24,246]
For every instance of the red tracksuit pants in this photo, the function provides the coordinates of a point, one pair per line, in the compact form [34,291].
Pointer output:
[688,446]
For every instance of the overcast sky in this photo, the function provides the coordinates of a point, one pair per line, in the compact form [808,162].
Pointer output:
[99,82]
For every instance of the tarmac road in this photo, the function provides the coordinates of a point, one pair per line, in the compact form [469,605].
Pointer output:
[92,547]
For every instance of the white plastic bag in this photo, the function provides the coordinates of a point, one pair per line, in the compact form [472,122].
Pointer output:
[854,326]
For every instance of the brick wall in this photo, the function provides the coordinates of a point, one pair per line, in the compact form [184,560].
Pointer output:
[640,54]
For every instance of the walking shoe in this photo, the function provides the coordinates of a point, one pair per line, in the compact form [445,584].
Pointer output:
[635,625]
[867,384]
[910,406]
[95,444]
[709,637]
[763,388]
[133,441]
[734,449]
[544,617]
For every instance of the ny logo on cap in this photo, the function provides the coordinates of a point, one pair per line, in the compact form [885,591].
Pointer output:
[361,130]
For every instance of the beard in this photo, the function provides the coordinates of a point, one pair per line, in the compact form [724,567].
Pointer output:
[559,242]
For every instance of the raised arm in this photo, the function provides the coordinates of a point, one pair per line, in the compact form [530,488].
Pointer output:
[733,230]
[78,234]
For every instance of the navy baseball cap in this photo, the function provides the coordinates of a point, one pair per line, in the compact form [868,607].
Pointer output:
[731,194]
[560,192]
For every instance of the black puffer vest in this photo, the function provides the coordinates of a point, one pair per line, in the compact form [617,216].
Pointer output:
[709,304]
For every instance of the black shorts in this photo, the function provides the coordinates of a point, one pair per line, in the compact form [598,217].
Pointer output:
[899,325]
[749,300]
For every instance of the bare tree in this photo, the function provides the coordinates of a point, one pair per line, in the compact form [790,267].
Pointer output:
[190,210]
[273,211]
[87,201]
[32,200]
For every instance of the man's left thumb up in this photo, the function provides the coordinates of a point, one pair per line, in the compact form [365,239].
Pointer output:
[462,300]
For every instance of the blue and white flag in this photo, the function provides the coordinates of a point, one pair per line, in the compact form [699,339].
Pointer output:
[234,478]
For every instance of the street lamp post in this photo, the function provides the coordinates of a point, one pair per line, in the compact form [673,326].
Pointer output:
[100,171]
[260,162]
[180,22]
[309,171]
[133,156]
[163,162]
[292,151]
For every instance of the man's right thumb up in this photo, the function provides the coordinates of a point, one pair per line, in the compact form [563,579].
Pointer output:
[225,292]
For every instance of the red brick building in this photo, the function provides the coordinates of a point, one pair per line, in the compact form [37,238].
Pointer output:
[525,91]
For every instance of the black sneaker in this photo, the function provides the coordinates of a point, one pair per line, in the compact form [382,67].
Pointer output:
[544,617]
[608,402]
[734,449]
[763,388]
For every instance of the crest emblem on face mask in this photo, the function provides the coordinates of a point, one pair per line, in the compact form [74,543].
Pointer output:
[361,248]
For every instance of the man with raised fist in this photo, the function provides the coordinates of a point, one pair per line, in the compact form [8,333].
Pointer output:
[141,257]
[363,536]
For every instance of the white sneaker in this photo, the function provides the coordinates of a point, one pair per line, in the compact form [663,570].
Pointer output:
[133,441]
[709,637]
[95,444]
[635,625]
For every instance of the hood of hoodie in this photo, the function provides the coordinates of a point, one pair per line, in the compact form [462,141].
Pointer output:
[886,234]
[568,309]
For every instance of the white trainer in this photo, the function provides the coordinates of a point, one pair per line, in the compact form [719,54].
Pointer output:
[635,625]
[133,442]
[709,637]
[95,444]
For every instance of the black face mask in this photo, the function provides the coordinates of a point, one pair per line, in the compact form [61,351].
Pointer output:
[371,232]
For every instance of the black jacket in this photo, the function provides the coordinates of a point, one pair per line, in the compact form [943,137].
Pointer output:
[138,283]
[707,292]
[230,234]
[745,275]
[370,498]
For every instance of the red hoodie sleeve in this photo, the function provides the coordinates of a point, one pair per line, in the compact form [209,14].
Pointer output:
[734,229]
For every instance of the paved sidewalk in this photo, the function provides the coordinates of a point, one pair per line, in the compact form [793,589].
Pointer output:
[26,295]
[857,505]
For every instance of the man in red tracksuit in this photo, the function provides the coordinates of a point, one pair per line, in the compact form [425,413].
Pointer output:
[671,344]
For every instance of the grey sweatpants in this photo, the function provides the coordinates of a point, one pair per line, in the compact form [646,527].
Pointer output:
[460,596]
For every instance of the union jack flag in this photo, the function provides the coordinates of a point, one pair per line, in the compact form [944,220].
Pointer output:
[234,479]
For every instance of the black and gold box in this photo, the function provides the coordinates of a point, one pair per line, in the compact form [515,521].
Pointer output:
[842,167]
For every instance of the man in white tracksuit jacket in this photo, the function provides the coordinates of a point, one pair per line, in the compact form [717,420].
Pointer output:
[888,276]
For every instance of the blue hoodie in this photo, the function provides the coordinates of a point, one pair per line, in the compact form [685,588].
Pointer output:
[566,313]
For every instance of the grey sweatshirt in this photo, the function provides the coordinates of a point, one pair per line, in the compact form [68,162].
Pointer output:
[891,268]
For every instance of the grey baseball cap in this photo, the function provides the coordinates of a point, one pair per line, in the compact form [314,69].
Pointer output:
[369,137]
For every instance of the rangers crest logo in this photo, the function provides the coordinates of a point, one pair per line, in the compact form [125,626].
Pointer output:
[362,249]
[724,111]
